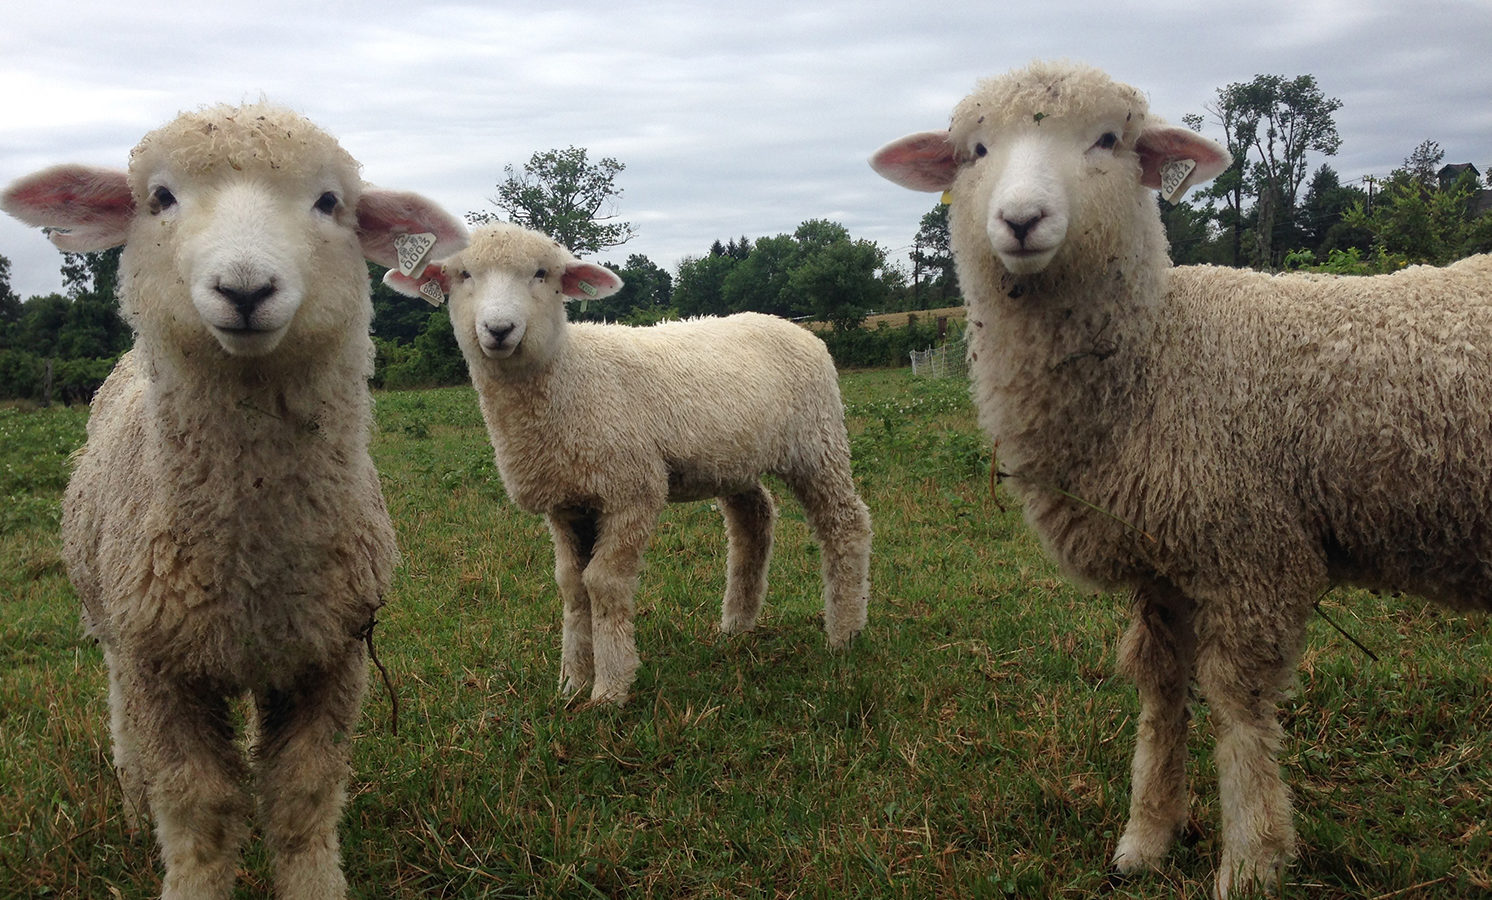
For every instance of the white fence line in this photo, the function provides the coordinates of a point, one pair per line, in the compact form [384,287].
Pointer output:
[948,361]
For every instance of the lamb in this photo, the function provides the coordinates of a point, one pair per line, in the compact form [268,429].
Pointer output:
[224,526]
[1223,444]
[599,426]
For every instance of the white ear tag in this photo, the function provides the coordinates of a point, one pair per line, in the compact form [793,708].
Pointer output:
[413,250]
[1173,174]
[432,293]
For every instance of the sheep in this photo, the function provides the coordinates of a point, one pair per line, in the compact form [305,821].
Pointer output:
[598,427]
[1223,444]
[224,526]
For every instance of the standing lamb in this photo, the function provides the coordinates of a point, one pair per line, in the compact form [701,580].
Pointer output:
[598,427]
[1250,439]
[224,526]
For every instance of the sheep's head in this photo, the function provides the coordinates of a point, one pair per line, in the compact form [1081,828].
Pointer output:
[1041,154]
[508,291]
[242,225]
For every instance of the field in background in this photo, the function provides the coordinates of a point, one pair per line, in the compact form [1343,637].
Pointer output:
[974,742]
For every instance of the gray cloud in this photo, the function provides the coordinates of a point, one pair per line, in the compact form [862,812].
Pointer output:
[745,120]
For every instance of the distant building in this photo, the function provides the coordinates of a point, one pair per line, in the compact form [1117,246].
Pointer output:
[1481,200]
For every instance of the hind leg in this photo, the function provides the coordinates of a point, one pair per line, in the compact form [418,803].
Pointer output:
[574,536]
[841,524]
[1158,653]
[302,764]
[749,520]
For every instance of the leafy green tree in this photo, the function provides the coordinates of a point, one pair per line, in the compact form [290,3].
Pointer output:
[760,282]
[1270,124]
[932,258]
[645,297]
[1421,224]
[699,289]
[1320,224]
[397,318]
[564,195]
[841,282]
[10,305]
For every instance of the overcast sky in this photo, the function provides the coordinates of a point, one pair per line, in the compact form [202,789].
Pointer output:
[731,119]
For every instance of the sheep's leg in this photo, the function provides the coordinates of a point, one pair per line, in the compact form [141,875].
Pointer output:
[749,520]
[127,761]
[194,777]
[1158,652]
[1242,669]
[841,524]
[611,582]
[574,536]
[302,768]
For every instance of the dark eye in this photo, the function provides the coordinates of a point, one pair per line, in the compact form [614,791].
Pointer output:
[979,150]
[327,203]
[541,274]
[465,275]
[161,199]
[1108,141]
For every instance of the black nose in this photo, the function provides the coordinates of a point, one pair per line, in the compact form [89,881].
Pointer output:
[500,332]
[1023,228]
[246,299]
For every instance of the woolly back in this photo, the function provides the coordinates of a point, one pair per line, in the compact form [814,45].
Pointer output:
[243,256]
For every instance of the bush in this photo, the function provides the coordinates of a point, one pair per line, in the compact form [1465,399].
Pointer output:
[883,346]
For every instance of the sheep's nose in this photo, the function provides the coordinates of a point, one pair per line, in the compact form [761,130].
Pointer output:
[500,332]
[246,299]
[1022,228]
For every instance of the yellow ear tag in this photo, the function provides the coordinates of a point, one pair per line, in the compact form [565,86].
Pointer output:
[947,198]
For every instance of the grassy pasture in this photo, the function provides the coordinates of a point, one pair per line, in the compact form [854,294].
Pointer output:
[973,743]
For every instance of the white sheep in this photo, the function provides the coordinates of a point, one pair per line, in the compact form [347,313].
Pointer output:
[1222,443]
[224,526]
[598,427]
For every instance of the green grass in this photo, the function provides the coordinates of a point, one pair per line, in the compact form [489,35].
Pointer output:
[973,743]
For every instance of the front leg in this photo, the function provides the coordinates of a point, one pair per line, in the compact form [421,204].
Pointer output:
[574,535]
[1158,653]
[611,583]
[302,762]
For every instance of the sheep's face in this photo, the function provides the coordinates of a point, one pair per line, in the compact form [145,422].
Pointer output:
[246,229]
[255,211]
[1039,156]
[508,294]
[247,249]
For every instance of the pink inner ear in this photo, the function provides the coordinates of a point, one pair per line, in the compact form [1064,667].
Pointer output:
[921,162]
[1157,145]
[95,203]
[384,215]
[602,281]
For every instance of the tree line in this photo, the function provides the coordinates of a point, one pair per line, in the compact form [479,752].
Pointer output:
[1264,212]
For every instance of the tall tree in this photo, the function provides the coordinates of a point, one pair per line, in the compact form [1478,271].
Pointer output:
[564,195]
[932,255]
[1272,122]
[10,305]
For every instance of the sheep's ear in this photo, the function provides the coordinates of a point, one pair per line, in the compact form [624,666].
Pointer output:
[588,281]
[432,285]
[1173,159]
[84,208]
[385,216]
[922,162]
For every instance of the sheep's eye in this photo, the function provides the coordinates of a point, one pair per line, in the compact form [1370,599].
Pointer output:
[979,150]
[161,199]
[327,203]
[541,274]
[1108,141]
[464,275]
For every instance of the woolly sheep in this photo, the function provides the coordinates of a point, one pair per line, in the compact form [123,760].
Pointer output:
[1222,443]
[599,426]
[224,526]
